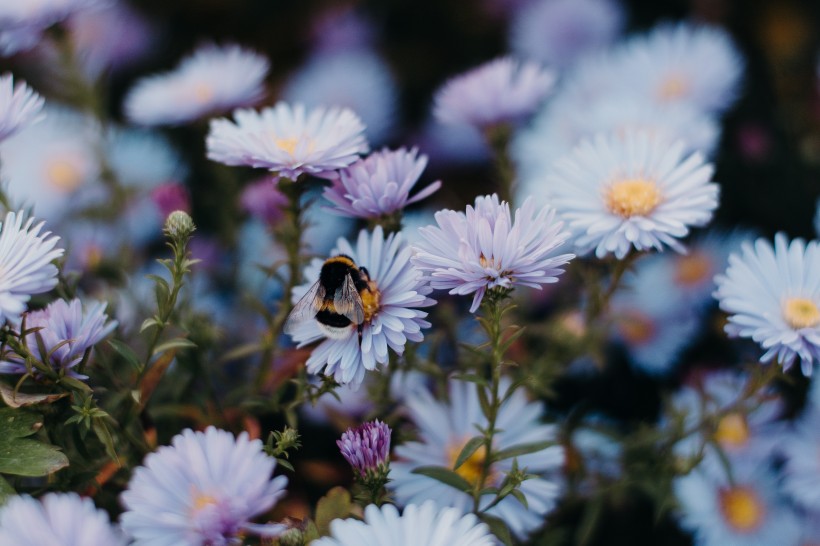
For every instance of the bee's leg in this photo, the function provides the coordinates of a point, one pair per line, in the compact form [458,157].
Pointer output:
[365,272]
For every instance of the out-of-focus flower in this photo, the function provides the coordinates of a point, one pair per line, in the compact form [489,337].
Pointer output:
[57,518]
[359,80]
[53,165]
[451,144]
[203,489]
[744,510]
[22,23]
[654,340]
[341,28]
[379,185]
[772,296]
[67,331]
[19,106]
[556,32]
[637,191]
[142,159]
[213,80]
[171,197]
[444,429]
[500,91]
[367,448]
[686,63]
[486,248]
[422,525]
[263,200]
[801,473]
[390,320]
[289,140]
[110,36]
[25,263]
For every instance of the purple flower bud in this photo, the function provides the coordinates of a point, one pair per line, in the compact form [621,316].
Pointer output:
[366,448]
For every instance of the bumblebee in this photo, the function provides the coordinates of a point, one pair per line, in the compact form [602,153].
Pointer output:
[343,297]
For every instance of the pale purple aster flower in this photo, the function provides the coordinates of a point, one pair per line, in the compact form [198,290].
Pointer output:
[636,190]
[22,22]
[556,32]
[395,321]
[214,79]
[25,263]
[486,248]
[443,430]
[67,331]
[57,518]
[203,489]
[379,185]
[772,295]
[419,525]
[263,200]
[289,140]
[367,447]
[19,106]
[500,91]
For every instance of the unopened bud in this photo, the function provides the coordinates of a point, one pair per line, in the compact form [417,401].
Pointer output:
[292,537]
[179,225]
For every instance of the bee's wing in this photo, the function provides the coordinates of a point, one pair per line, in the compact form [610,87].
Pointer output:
[306,308]
[348,302]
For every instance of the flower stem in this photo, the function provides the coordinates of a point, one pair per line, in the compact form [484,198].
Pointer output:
[498,137]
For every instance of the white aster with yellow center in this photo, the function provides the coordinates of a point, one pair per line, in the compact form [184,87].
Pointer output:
[636,190]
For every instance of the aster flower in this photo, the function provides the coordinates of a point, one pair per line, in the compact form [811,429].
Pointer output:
[57,518]
[557,32]
[772,296]
[21,106]
[202,489]
[25,263]
[801,473]
[289,140]
[636,191]
[379,185]
[263,201]
[501,91]
[745,510]
[486,249]
[423,525]
[395,320]
[67,332]
[444,429]
[142,159]
[357,79]
[22,23]
[213,79]
[367,448]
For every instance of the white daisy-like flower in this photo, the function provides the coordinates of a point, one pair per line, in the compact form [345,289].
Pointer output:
[289,140]
[214,79]
[25,263]
[444,429]
[487,248]
[19,106]
[424,525]
[801,449]
[772,295]
[64,519]
[391,315]
[633,191]
[501,91]
[745,510]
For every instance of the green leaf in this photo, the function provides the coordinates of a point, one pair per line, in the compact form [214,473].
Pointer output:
[6,490]
[498,528]
[469,448]
[176,343]
[336,504]
[521,449]
[74,383]
[21,456]
[149,323]
[104,435]
[445,476]
[285,463]
[126,352]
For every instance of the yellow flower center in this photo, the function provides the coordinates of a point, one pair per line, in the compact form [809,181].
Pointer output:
[63,175]
[472,468]
[732,430]
[202,501]
[636,328]
[673,88]
[632,197]
[801,313]
[93,256]
[287,145]
[371,300]
[742,508]
[693,269]
[202,92]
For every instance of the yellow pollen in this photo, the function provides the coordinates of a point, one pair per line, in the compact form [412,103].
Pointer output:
[470,469]
[693,269]
[63,175]
[202,501]
[482,259]
[371,300]
[742,508]
[632,197]
[801,313]
[287,144]
[636,328]
[202,92]
[732,430]
[673,88]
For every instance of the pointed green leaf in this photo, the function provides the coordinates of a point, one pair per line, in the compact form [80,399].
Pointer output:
[522,449]
[176,343]
[469,448]
[445,476]
[126,352]
[334,505]
[498,528]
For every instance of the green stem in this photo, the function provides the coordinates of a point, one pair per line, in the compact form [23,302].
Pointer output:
[498,137]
